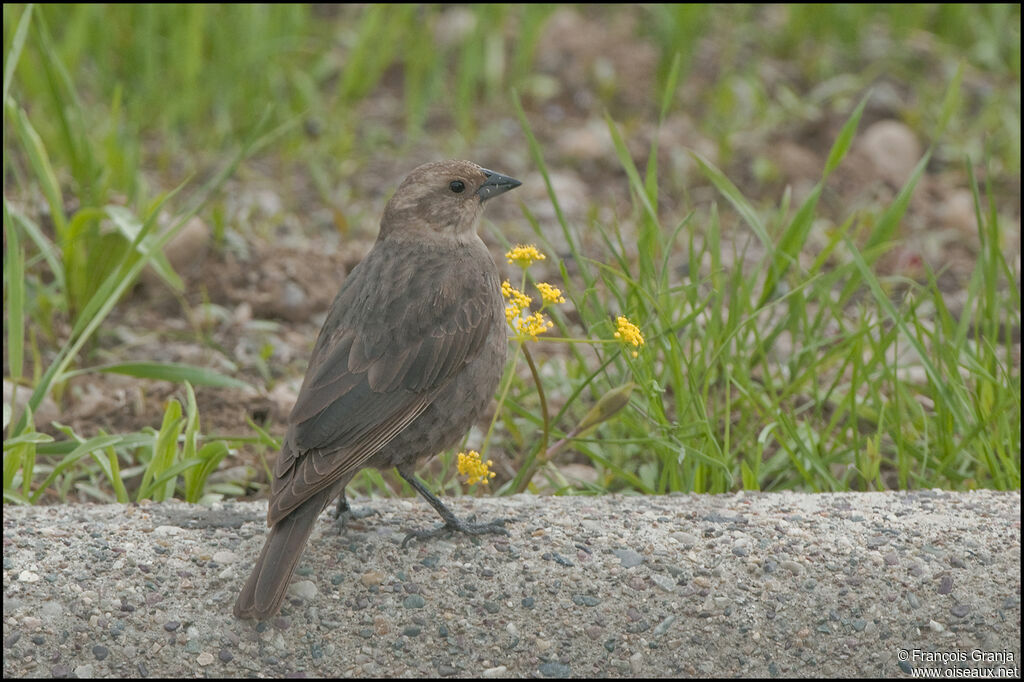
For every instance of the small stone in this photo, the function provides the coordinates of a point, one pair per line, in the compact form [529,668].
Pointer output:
[585,600]
[945,585]
[414,601]
[636,663]
[685,539]
[555,669]
[960,610]
[892,149]
[186,251]
[498,671]
[561,560]
[957,212]
[664,583]
[628,557]
[371,578]
[225,656]
[663,626]
[100,652]
[205,658]
[304,589]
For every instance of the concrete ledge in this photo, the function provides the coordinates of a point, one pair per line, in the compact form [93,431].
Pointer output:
[732,585]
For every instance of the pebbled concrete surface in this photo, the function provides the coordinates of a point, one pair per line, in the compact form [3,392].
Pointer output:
[779,584]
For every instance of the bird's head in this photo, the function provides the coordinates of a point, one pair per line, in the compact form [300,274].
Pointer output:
[442,198]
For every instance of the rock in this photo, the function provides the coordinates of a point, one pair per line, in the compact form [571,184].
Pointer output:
[892,150]
[589,142]
[371,578]
[44,414]
[304,589]
[185,252]
[957,212]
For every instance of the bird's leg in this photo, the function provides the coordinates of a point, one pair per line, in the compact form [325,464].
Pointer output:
[451,522]
[343,513]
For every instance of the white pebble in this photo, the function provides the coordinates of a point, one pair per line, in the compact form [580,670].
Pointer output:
[304,589]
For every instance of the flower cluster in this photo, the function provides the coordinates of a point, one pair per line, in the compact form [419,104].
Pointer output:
[532,325]
[477,471]
[524,256]
[528,325]
[550,294]
[517,301]
[628,333]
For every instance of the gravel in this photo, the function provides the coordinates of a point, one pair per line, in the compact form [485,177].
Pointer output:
[781,584]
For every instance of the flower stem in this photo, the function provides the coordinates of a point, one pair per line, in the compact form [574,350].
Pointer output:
[509,375]
[543,398]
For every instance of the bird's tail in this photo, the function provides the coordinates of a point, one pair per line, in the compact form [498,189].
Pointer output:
[265,589]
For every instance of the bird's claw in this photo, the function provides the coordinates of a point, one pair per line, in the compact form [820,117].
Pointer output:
[341,518]
[447,528]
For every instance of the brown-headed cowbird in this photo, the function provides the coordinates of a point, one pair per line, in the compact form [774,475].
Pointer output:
[410,354]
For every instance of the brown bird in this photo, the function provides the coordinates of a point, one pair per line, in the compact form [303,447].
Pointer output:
[410,354]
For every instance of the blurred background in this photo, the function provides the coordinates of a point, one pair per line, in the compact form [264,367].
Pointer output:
[812,212]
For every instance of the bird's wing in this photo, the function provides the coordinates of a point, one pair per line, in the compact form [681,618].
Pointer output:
[394,338]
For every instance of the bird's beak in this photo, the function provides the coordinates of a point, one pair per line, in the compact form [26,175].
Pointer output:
[495,184]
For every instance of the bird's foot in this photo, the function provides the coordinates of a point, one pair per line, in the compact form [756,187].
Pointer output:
[455,525]
[344,513]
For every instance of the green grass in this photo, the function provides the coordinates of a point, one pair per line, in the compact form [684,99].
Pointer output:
[766,365]
[721,405]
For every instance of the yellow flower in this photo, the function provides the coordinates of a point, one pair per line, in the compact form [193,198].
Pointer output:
[517,301]
[516,312]
[524,255]
[514,296]
[628,333]
[532,325]
[477,471]
[550,294]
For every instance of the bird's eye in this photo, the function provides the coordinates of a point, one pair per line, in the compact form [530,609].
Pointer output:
[457,186]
